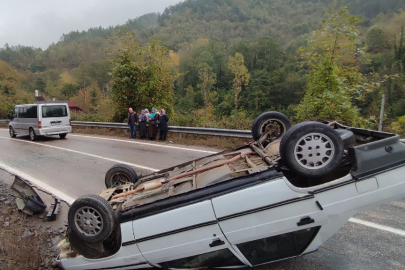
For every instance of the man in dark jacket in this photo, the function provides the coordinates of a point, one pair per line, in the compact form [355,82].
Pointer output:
[163,126]
[132,122]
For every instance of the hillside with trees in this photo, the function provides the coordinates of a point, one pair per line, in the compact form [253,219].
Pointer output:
[223,62]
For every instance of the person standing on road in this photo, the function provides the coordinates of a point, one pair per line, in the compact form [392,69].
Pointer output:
[132,122]
[163,126]
[142,124]
[152,127]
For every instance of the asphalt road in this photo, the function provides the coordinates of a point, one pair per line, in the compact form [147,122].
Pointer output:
[77,166]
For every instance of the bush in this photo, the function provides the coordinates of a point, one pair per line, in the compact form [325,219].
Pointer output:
[398,126]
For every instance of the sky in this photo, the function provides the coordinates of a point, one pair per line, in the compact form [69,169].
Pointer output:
[39,23]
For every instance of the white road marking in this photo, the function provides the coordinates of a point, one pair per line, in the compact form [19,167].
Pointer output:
[38,183]
[143,143]
[377,226]
[83,153]
[140,143]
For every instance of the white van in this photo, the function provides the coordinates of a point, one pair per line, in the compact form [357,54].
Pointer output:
[40,119]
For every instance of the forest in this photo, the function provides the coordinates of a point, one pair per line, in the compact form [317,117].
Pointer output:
[220,63]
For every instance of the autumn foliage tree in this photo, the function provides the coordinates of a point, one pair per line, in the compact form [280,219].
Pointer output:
[241,78]
[10,93]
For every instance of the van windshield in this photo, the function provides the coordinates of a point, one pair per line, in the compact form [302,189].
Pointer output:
[54,111]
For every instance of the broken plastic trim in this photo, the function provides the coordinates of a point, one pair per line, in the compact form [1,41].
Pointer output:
[27,199]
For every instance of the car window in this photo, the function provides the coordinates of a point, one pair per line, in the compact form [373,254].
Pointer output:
[278,247]
[22,112]
[15,113]
[219,258]
[54,111]
[32,112]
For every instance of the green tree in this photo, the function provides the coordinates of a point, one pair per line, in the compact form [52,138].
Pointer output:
[332,82]
[142,77]
[377,40]
[241,78]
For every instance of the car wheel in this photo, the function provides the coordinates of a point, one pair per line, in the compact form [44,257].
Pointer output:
[348,138]
[92,218]
[11,132]
[275,123]
[311,149]
[119,175]
[62,136]
[33,137]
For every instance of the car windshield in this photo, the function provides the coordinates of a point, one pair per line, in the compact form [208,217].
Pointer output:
[54,111]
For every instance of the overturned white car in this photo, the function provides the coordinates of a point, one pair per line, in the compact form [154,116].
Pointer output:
[279,197]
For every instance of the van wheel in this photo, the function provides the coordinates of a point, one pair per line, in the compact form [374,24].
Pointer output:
[119,175]
[92,218]
[62,136]
[312,149]
[33,137]
[275,124]
[11,132]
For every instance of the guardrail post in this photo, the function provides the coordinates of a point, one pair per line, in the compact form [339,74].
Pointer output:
[180,135]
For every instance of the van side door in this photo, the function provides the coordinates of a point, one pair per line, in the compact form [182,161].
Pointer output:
[21,125]
[28,118]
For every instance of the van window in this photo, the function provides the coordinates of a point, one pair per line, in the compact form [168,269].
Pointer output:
[54,111]
[22,112]
[32,112]
[15,113]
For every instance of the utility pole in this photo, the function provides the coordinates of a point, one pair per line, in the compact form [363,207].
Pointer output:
[380,127]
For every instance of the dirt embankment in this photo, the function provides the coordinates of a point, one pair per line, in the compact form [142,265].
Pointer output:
[26,242]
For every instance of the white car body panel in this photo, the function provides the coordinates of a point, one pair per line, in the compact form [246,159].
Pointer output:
[260,223]
[339,203]
[130,256]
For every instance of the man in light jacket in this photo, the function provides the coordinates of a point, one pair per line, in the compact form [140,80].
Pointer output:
[132,122]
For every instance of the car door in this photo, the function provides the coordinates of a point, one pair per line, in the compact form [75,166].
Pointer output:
[269,221]
[186,237]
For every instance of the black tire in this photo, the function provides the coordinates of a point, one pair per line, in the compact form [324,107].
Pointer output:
[32,134]
[62,136]
[120,174]
[98,212]
[348,138]
[312,162]
[11,132]
[262,122]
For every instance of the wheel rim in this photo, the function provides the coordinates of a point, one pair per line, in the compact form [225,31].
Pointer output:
[277,127]
[32,134]
[314,151]
[119,179]
[88,221]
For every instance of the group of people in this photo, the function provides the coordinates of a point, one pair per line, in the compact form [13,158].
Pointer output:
[148,124]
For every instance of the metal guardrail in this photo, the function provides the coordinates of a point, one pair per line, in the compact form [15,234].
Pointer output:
[175,129]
